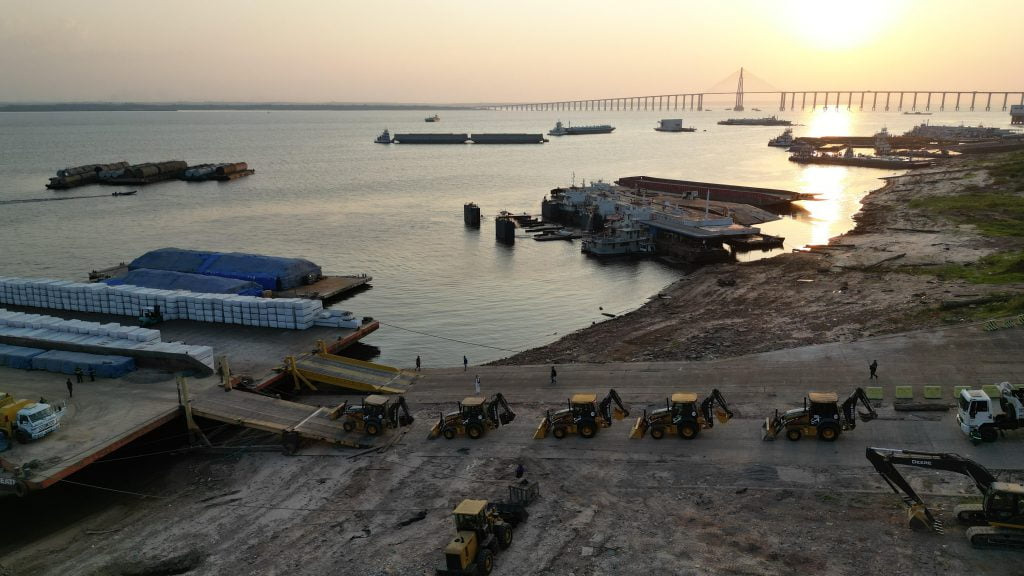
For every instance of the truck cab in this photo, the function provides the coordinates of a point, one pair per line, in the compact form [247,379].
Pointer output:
[25,420]
[974,415]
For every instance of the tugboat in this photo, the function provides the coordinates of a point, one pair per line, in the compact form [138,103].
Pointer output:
[434,118]
[784,140]
[384,138]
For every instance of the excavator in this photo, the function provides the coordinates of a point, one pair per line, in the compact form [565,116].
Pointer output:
[821,416]
[474,417]
[374,415]
[998,522]
[584,416]
[682,415]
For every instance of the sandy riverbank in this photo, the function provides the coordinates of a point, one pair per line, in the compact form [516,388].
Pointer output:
[857,286]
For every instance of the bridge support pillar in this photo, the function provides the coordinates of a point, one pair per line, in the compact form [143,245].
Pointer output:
[957,101]
[861,101]
[913,105]
[888,95]
[782,101]
[814,103]
[974,96]
[988,103]
[700,102]
[928,103]
[942,103]
[900,107]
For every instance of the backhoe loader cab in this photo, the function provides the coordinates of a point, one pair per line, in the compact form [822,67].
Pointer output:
[375,414]
[683,415]
[474,417]
[821,416]
[480,533]
[584,416]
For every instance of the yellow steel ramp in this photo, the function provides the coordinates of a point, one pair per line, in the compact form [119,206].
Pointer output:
[272,415]
[348,373]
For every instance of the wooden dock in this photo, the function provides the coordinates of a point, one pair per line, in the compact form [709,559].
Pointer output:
[327,288]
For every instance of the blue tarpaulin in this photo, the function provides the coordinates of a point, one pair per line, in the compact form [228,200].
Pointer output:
[168,280]
[66,362]
[270,272]
[18,356]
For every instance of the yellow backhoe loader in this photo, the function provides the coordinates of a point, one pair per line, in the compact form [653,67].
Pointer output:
[821,416]
[682,415]
[584,416]
[374,415]
[474,418]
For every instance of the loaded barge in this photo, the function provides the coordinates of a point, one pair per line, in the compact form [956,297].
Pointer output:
[428,138]
[123,174]
[754,196]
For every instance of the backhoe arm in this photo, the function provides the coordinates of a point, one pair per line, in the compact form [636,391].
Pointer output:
[403,419]
[500,410]
[605,407]
[707,408]
[850,408]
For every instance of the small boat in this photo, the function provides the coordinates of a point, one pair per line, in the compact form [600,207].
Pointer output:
[128,193]
[784,140]
[434,118]
[384,138]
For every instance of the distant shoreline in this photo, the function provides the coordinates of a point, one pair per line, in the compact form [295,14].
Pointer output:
[186,106]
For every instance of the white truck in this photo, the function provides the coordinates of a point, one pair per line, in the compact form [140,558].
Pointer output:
[25,420]
[978,420]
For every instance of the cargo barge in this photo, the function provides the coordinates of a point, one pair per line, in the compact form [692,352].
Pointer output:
[766,121]
[858,160]
[720,192]
[431,138]
[508,138]
[496,138]
[123,174]
[570,130]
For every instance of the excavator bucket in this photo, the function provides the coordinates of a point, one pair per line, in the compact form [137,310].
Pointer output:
[721,415]
[542,430]
[640,428]
[921,520]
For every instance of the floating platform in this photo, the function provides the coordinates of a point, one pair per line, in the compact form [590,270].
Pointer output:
[327,288]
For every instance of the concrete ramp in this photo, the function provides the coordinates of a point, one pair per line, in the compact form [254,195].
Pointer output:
[324,368]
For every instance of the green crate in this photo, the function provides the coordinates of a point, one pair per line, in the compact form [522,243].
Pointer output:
[957,389]
[933,392]
[874,392]
[904,392]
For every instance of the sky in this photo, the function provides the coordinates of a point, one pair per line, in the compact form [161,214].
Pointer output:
[476,51]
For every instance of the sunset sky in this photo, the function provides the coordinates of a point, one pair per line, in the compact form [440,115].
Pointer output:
[470,51]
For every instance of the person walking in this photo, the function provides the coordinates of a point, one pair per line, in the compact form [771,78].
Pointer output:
[417,363]
[476,384]
[71,392]
[553,375]
[873,367]
[78,374]
[520,470]
[465,363]
[92,374]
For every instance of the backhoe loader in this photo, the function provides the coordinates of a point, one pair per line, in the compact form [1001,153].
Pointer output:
[821,416]
[682,415]
[998,522]
[374,415]
[584,416]
[474,417]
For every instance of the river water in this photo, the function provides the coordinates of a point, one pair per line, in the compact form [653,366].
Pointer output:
[324,191]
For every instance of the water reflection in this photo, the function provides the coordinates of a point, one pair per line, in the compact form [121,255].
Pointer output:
[828,183]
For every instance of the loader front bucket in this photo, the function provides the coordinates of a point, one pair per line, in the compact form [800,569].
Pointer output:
[639,428]
[542,430]
[770,432]
[436,430]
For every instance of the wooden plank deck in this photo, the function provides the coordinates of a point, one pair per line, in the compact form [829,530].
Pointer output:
[327,288]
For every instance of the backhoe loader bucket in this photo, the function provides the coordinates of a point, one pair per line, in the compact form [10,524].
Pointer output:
[619,413]
[506,418]
[639,428]
[721,415]
[542,430]
[436,430]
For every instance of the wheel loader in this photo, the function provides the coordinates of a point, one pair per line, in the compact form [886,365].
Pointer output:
[374,415]
[584,416]
[480,533]
[683,415]
[821,416]
[474,418]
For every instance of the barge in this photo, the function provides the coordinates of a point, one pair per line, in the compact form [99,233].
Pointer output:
[570,130]
[431,138]
[499,138]
[858,160]
[723,192]
[766,121]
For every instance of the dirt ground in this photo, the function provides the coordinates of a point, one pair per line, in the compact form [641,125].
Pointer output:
[725,504]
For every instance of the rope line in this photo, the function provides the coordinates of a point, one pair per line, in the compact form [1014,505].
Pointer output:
[449,339]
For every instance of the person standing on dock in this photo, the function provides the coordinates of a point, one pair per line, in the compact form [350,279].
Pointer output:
[71,391]
[417,363]
[873,367]
[465,363]
[92,374]
[476,384]
[553,375]
[78,374]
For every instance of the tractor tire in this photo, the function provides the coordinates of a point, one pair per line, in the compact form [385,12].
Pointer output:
[21,436]
[793,434]
[348,426]
[588,430]
[504,534]
[688,430]
[448,433]
[657,432]
[828,432]
[475,431]
[988,433]
[484,562]
[372,428]
[558,432]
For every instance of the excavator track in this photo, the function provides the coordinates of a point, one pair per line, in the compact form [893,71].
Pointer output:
[995,537]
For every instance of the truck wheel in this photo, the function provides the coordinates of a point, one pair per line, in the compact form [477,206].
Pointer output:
[988,433]
[21,436]
[793,434]
[558,432]
[828,432]
[475,431]
[657,432]
[372,428]
[20,489]
[449,433]
[504,534]
[484,562]
[587,430]
[348,426]
[688,430]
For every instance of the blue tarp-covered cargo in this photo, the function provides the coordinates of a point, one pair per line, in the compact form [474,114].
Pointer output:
[66,362]
[18,356]
[270,272]
[168,280]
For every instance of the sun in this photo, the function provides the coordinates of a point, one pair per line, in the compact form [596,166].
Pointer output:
[838,27]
